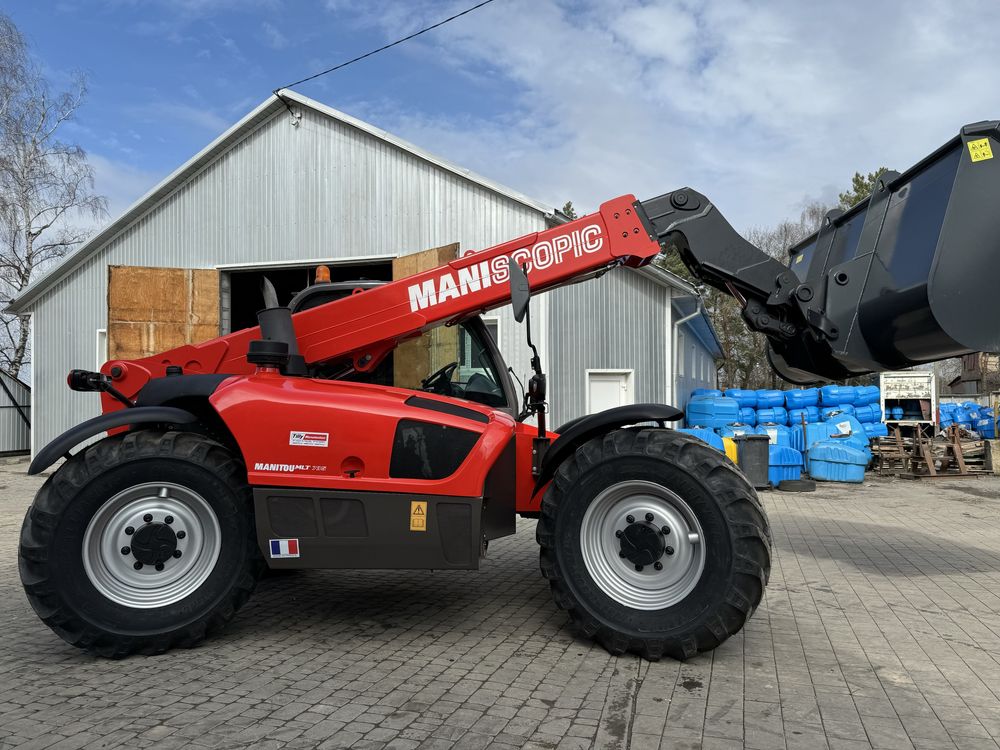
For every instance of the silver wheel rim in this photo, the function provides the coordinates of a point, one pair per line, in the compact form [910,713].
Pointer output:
[649,588]
[113,571]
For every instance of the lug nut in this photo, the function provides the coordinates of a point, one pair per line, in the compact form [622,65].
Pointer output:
[669,550]
[168,519]
[137,565]
[148,517]
[658,565]
[159,566]
[638,567]
[177,553]
[181,534]
[630,519]
[126,550]
[665,530]
[649,517]
[129,531]
[619,533]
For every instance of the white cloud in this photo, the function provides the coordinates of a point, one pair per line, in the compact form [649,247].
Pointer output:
[757,104]
[229,45]
[122,184]
[273,37]
[176,112]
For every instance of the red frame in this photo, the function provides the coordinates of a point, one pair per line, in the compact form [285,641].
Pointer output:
[262,407]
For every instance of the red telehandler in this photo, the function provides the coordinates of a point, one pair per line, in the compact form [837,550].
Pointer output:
[287,446]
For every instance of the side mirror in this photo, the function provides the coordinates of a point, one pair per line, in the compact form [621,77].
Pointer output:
[520,292]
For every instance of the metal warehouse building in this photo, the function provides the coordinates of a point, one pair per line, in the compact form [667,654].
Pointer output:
[295,184]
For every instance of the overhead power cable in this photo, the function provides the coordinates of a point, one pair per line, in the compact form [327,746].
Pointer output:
[387,46]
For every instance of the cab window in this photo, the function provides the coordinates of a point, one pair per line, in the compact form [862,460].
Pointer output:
[448,360]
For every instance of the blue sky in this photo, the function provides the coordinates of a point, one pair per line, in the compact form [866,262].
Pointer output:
[762,105]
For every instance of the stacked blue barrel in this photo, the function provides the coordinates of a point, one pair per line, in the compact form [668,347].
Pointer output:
[825,431]
[969,416]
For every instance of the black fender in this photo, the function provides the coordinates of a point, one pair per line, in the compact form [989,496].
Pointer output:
[578,431]
[139,415]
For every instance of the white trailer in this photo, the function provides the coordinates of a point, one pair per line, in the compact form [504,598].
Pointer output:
[909,399]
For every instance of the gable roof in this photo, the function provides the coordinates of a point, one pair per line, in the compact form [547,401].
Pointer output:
[263,112]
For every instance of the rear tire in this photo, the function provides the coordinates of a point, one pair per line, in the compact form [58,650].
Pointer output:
[140,543]
[715,557]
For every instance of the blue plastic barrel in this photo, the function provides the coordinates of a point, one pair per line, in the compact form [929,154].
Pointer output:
[866,394]
[986,428]
[706,436]
[783,463]
[876,429]
[832,395]
[778,434]
[767,398]
[811,414]
[772,414]
[705,392]
[836,461]
[896,412]
[870,413]
[712,411]
[845,426]
[800,398]
[733,430]
[744,396]
[831,411]
[748,415]
[797,437]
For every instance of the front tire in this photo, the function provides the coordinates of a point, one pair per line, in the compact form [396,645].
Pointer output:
[654,542]
[140,543]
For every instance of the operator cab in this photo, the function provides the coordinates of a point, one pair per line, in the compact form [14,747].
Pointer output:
[475,376]
[476,370]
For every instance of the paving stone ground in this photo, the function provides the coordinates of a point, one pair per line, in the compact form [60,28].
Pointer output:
[881,628]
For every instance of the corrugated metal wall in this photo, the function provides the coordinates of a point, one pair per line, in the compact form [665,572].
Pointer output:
[619,321]
[319,190]
[15,435]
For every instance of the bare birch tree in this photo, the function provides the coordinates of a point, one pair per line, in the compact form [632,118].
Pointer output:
[46,184]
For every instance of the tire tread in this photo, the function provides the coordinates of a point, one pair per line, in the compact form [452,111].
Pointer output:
[58,492]
[742,509]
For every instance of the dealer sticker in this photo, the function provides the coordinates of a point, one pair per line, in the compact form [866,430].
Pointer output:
[310,439]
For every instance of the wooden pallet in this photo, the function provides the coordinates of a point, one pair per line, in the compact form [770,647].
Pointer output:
[921,457]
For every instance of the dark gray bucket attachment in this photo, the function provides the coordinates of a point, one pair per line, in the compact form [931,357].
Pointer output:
[913,274]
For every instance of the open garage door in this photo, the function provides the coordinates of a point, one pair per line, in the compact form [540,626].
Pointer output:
[153,309]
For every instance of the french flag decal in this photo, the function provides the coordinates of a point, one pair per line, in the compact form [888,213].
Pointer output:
[284,548]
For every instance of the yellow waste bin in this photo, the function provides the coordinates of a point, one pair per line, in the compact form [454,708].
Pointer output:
[730,446]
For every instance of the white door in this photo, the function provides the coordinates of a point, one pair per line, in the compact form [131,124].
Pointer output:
[607,389]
